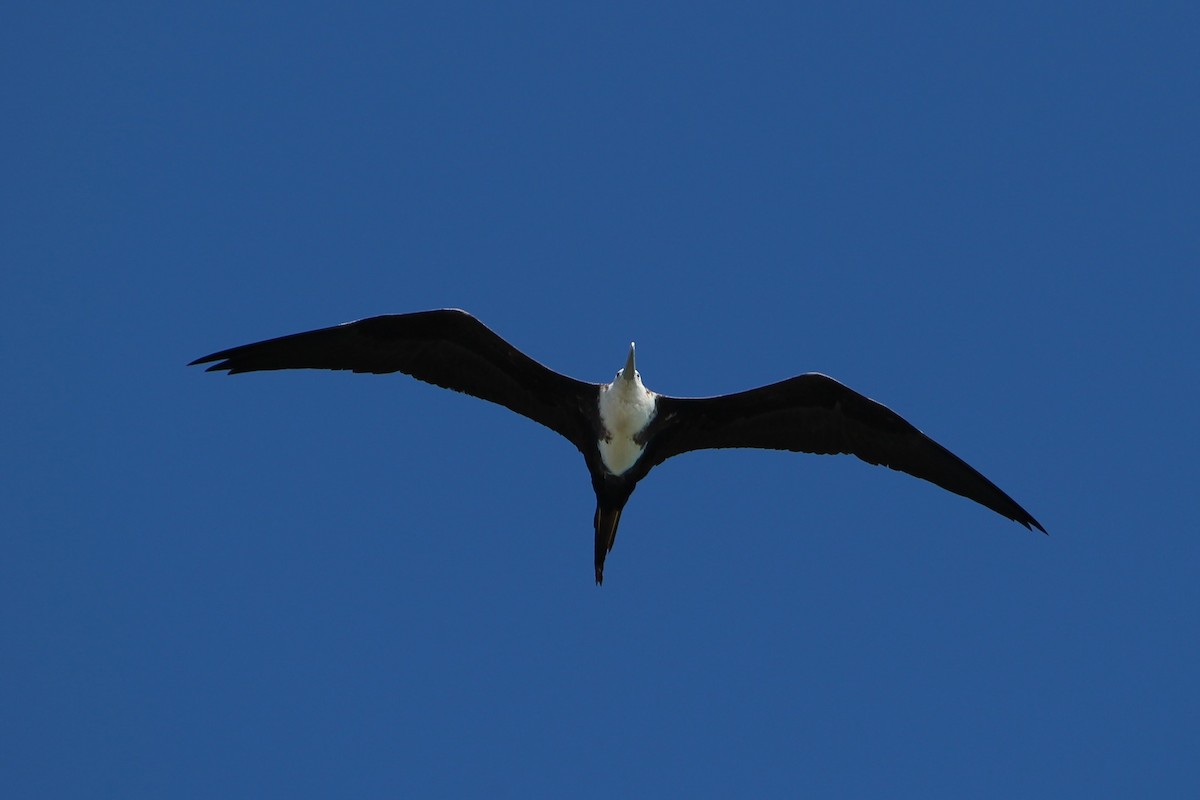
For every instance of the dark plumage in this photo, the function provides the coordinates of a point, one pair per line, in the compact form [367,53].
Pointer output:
[809,413]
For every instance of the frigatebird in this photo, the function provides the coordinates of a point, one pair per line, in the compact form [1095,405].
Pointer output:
[622,428]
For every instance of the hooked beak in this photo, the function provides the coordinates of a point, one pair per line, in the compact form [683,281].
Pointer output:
[630,368]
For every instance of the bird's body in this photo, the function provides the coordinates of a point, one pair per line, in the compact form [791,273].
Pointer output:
[622,429]
[626,407]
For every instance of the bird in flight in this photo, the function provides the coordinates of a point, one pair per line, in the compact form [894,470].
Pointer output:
[622,428]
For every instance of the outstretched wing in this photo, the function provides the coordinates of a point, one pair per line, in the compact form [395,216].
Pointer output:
[815,414]
[447,347]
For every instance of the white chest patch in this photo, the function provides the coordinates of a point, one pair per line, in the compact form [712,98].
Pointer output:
[625,410]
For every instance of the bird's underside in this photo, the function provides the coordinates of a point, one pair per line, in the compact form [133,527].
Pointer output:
[622,441]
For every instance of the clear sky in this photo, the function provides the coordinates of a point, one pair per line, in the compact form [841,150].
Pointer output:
[322,584]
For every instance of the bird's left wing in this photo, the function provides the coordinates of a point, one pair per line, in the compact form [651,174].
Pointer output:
[814,413]
[447,347]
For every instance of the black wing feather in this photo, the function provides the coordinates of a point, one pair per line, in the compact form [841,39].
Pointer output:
[814,413]
[447,347]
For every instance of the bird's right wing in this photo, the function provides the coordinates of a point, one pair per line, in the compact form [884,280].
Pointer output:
[447,347]
[814,413]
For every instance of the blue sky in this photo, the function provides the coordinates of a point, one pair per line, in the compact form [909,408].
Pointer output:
[319,584]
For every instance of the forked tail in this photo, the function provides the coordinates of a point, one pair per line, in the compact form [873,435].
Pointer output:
[607,519]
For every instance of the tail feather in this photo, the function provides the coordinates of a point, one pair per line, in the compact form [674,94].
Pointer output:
[607,519]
